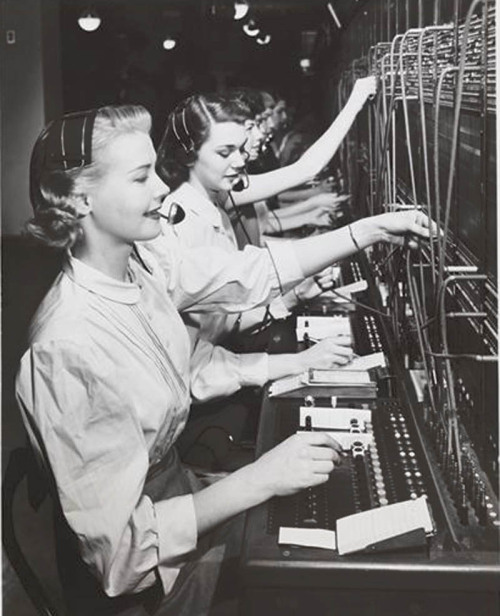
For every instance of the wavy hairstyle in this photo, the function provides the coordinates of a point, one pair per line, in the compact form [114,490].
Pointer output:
[188,127]
[53,191]
[251,97]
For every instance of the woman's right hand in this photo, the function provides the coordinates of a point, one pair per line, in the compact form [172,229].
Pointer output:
[303,460]
[327,354]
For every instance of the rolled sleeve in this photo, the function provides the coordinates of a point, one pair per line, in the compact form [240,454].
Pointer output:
[177,536]
[96,449]
[286,264]
[278,309]
[217,372]
[254,369]
[262,213]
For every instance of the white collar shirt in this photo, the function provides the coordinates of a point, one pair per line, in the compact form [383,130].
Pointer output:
[106,380]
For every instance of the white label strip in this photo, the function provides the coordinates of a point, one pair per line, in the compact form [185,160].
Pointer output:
[317,327]
[308,537]
[333,419]
[347,439]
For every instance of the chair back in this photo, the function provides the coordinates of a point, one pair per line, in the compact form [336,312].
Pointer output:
[21,466]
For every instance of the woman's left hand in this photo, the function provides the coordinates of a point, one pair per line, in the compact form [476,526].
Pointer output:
[315,285]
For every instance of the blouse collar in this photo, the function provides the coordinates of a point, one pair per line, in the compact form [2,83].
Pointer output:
[99,283]
[196,202]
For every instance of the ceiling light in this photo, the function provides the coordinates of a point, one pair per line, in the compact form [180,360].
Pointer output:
[305,63]
[334,15]
[250,28]
[169,43]
[89,21]
[240,9]
[263,39]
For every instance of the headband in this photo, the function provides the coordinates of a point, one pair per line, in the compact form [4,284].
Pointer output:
[64,144]
[68,141]
[187,148]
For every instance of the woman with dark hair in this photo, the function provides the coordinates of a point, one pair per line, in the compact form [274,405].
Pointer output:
[207,226]
[204,151]
[205,144]
[180,144]
[253,221]
[207,137]
[104,385]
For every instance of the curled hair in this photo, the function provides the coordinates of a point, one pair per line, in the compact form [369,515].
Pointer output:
[53,191]
[188,127]
[251,97]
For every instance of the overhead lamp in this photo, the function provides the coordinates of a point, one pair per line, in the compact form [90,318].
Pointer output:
[169,43]
[240,9]
[250,28]
[263,39]
[305,64]
[89,21]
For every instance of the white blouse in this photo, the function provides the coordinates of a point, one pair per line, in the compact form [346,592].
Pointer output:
[106,381]
[208,226]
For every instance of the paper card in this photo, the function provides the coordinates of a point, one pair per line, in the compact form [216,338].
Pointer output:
[361,530]
[308,537]
[366,362]
[346,290]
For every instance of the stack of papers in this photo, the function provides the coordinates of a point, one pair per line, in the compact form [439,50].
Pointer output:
[287,383]
[340,378]
[354,374]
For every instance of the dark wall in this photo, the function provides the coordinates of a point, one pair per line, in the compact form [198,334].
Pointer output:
[30,94]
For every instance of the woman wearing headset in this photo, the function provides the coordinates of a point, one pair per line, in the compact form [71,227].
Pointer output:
[104,385]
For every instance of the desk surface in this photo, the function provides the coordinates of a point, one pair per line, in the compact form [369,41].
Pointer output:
[444,567]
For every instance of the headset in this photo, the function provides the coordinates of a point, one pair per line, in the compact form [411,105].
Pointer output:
[187,142]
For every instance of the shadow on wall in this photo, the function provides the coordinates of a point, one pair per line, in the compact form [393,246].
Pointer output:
[28,270]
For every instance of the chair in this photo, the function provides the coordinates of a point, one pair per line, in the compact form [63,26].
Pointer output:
[22,465]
